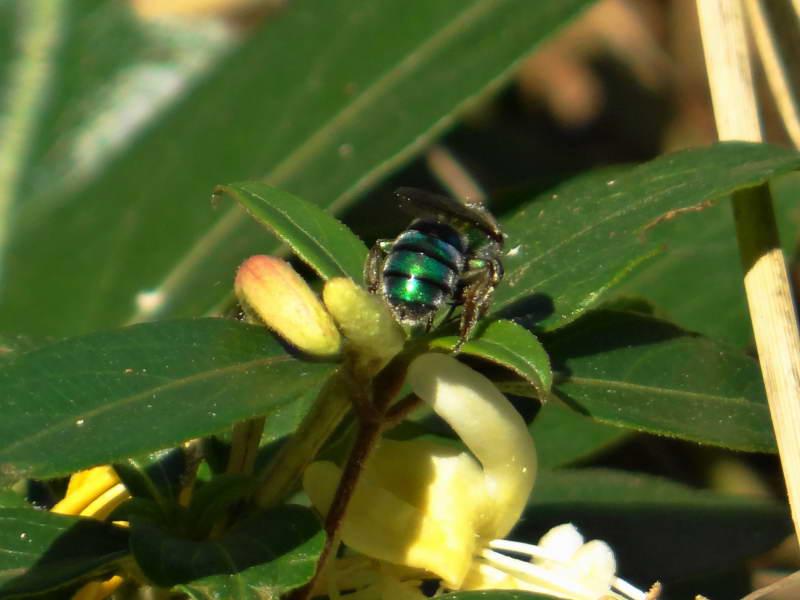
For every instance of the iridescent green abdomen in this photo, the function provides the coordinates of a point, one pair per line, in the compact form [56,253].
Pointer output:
[422,270]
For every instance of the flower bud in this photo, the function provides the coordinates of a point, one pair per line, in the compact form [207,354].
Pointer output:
[366,322]
[270,289]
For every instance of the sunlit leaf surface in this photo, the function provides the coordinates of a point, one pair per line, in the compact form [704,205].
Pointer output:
[106,396]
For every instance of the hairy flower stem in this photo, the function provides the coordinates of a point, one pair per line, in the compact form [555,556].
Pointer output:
[376,397]
[401,409]
[369,432]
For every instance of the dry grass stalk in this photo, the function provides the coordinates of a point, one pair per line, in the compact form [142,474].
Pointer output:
[766,280]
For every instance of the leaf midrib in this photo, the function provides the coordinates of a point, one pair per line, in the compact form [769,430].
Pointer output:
[141,395]
[625,385]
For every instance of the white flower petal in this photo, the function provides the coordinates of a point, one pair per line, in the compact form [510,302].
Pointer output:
[561,542]
[595,565]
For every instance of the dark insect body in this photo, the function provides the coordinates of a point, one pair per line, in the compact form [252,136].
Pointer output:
[448,255]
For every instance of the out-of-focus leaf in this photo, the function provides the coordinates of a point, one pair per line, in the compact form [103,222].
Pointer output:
[10,499]
[322,100]
[511,346]
[266,555]
[563,436]
[698,281]
[640,372]
[326,245]
[99,398]
[570,246]
[80,83]
[42,552]
[696,530]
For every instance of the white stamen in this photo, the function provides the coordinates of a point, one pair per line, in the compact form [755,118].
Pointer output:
[629,590]
[534,574]
[534,551]
[528,549]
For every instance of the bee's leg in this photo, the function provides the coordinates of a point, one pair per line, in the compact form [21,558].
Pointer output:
[481,279]
[374,264]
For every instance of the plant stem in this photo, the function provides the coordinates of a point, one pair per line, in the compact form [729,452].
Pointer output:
[244,445]
[766,279]
[369,433]
[281,475]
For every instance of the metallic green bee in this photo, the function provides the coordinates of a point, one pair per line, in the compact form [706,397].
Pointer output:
[448,255]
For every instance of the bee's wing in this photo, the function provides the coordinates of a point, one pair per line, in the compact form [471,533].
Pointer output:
[419,203]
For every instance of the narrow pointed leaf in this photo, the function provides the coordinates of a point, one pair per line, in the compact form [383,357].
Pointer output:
[266,555]
[649,375]
[320,240]
[42,552]
[102,397]
[511,346]
[569,246]
[324,119]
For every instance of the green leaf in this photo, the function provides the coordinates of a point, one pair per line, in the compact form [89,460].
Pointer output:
[568,247]
[326,245]
[44,552]
[646,519]
[155,475]
[511,346]
[80,84]
[11,499]
[639,372]
[563,436]
[211,499]
[99,398]
[703,256]
[12,347]
[264,556]
[364,91]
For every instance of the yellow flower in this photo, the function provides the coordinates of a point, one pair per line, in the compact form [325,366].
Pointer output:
[443,511]
[94,493]
[271,292]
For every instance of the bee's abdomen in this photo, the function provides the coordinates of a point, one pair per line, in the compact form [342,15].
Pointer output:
[420,274]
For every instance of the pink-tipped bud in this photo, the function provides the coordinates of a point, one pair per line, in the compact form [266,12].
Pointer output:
[270,290]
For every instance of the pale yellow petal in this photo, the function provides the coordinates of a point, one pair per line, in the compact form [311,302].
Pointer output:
[490,427]
[485,577]
[436,536]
